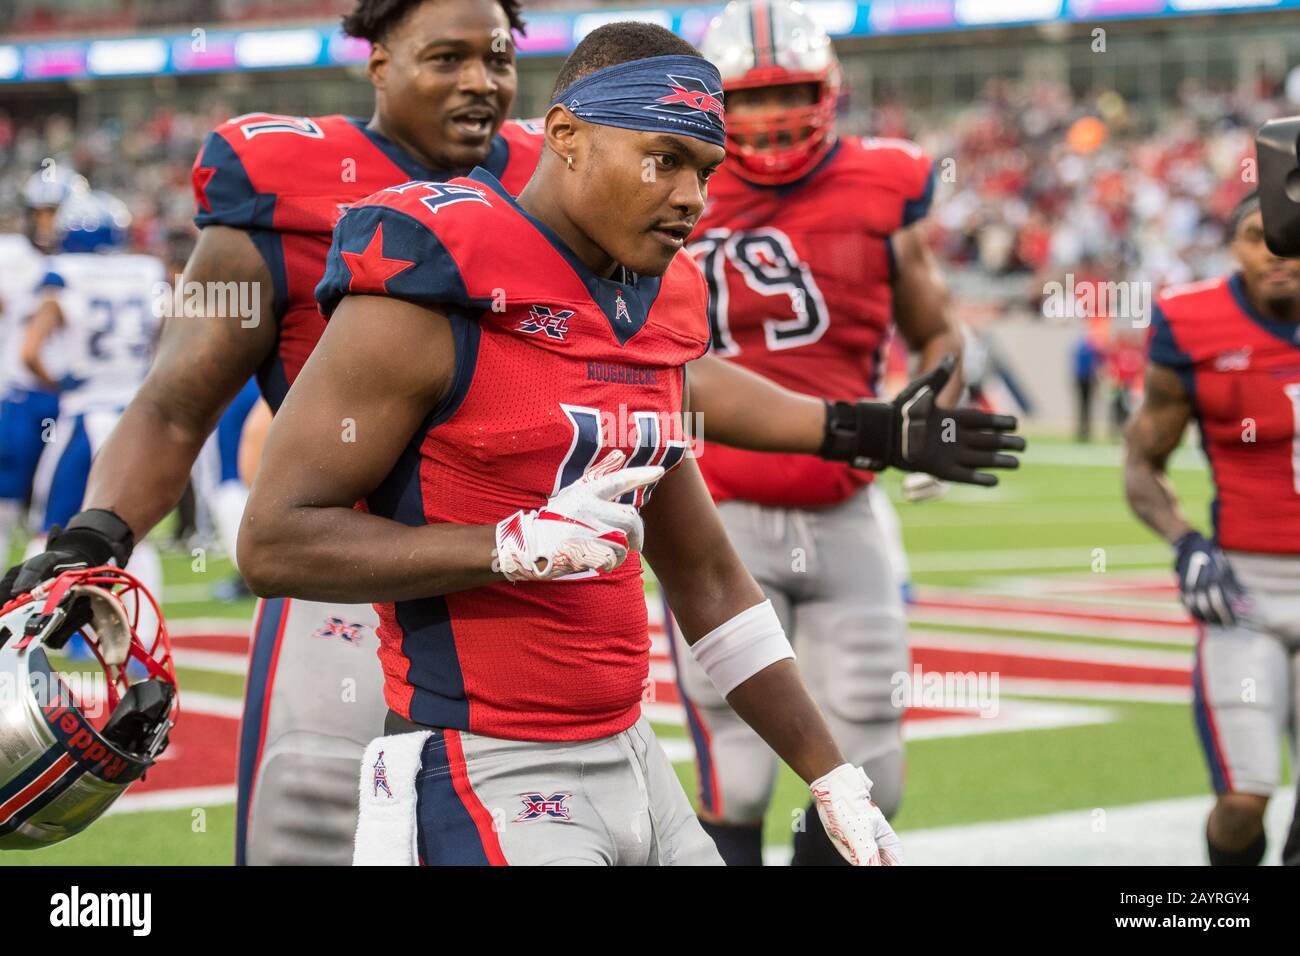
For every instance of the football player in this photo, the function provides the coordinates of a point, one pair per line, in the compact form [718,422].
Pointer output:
[1226,353]
[269,190]
[27,407]
[102,306]
[506,471]
[813,249]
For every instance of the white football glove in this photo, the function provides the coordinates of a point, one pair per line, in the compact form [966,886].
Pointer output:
[581,528]
[918,486]
[855,825]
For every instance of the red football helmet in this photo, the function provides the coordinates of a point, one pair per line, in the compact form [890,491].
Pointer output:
[763,43]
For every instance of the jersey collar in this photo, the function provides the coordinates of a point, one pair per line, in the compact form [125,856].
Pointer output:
[625,300]
[498,155]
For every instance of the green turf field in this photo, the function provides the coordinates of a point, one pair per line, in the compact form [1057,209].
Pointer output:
[1060,519]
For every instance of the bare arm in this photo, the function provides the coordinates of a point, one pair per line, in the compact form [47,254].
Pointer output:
[45,321]
[1151,438]
[706,585]
[202,363]
[381,367]
[921,306]
[725,396]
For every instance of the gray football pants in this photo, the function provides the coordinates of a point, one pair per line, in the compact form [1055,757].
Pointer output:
[1246,679]
[314,701]
[828,576]
[613,801]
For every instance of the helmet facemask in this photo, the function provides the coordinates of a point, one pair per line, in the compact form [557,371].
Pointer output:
[781,144]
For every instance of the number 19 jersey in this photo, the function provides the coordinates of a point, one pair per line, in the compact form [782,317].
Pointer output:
[800,292]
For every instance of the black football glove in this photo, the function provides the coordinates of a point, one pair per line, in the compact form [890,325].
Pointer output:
[913,433]
[1206,585]
[92,538]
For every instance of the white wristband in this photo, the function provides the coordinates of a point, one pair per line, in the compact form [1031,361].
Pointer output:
[734,652]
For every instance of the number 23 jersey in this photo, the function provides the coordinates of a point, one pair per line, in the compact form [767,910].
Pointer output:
[554,367]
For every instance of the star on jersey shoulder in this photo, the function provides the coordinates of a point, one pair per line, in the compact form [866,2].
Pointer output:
[370,269]
[202,177]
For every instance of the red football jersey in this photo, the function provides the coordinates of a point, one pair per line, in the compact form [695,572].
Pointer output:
[1242,371]
[800,292]
[286,180]
[554,367]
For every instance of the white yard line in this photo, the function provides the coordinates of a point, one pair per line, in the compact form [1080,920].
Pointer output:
[1172,634]
[210,627]
[1064,593]
[1160,833]
[1012,716]
[1050,650]
[1014,559]
[217,661]
[189,798]
[1096,690]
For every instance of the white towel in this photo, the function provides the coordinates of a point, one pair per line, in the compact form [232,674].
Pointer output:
[386,827]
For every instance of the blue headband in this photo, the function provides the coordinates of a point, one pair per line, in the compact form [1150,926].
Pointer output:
[660,94]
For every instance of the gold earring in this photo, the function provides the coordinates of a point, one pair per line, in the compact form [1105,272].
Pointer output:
[569,160]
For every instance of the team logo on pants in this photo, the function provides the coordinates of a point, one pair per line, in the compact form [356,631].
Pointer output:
[537,806]
[347,631]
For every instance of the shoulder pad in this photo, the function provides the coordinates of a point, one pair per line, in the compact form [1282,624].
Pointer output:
[247,160]
[394,243]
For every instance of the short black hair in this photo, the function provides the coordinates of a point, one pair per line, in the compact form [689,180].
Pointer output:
[373,19]
[615,43]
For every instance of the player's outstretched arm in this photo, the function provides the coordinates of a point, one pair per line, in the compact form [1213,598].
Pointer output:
[45,321]
[1153,434]
[740,408]
[202,362]
[735,635]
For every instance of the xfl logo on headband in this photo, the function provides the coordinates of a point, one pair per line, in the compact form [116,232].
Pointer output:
[690,96]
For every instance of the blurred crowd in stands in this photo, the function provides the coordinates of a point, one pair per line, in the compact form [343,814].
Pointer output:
[1031,181]
[41,18]
[1033,186]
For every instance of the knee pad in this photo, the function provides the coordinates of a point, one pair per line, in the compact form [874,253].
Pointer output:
[304,808]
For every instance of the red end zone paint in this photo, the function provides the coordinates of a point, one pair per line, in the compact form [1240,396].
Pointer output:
[201,754]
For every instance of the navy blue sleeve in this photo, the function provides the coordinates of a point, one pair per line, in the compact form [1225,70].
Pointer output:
[378,250]
[223,191]
[1163,349]
[918,208]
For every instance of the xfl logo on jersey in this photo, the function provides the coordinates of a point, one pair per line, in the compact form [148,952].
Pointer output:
[555,323]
